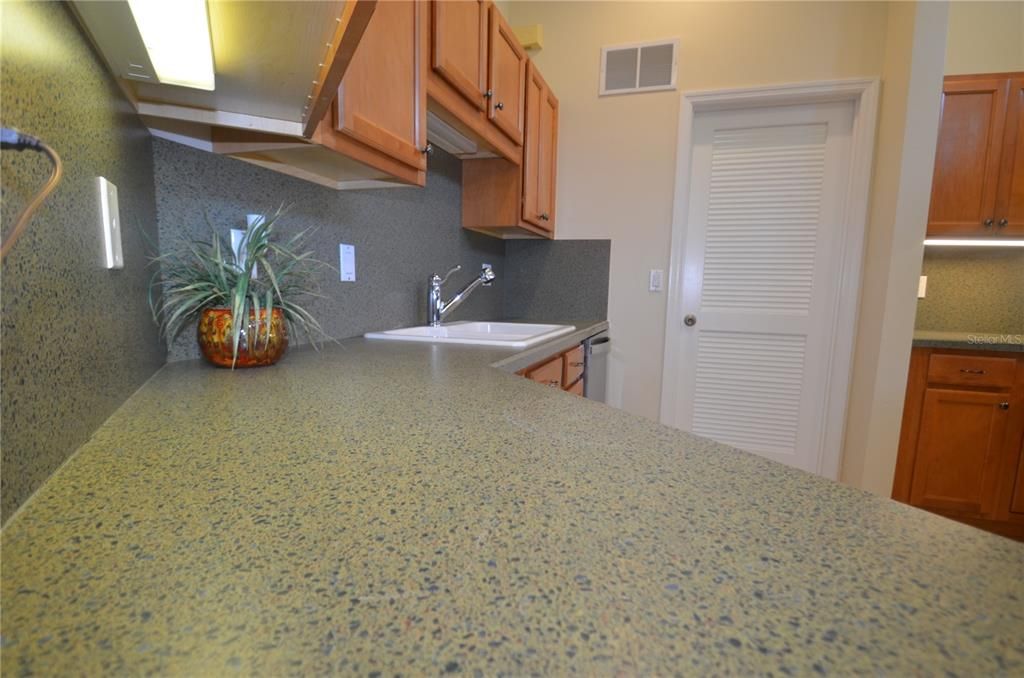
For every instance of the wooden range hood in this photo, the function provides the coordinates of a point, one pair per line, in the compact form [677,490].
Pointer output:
[278,67]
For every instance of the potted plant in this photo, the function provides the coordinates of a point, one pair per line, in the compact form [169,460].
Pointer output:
[244,305]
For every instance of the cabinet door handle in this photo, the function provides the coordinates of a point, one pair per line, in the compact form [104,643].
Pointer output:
[500,106]
[545,216]
[988,222]
[427,150]
[1002,223]
[967,370]
[1004,406]
[554,382]
[489,93]
[577,364]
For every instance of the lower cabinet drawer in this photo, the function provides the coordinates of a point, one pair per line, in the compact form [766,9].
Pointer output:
[970,370]
[576,389]
[549,374]
[573,365]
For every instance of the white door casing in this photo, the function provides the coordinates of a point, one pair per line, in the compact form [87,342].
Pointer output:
[768,231]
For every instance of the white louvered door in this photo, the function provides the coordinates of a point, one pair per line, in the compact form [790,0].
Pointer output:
[762,256]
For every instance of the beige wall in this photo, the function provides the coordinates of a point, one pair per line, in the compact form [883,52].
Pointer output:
[985,37]
[901,188]
[624,147]
[617,154]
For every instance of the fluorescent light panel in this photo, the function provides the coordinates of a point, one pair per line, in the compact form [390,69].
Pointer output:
[177,37]
[973,242]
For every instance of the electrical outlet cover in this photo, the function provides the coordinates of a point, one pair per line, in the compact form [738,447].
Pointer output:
[347,254]
[110,222]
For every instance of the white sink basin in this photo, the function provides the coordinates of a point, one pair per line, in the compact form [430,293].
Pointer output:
[509,335]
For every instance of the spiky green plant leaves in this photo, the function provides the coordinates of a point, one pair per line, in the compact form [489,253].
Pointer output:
[267,274]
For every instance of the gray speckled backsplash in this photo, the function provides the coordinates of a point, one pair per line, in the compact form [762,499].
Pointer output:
[555,280]
[973,290]
[77,338]
[401,236]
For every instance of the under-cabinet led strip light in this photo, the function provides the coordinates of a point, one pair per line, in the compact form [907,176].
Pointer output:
[177,38]
[973,242]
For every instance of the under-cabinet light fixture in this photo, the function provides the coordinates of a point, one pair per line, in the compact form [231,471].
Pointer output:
[177,38]
[973,242]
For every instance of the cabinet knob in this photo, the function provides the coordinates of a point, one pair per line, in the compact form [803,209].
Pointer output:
[500,106]
[428,149]
[988,222]
[554,382]
[489,93]
[690,320]
[545,216]
[1004,406]
[1002,223]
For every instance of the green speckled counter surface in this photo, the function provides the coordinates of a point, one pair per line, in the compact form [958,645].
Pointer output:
[976,341]
[388,508]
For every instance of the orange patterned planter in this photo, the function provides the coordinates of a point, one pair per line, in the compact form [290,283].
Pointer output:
[214,334]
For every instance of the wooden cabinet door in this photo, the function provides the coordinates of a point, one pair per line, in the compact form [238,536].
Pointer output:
[539,152]
[959,451]
[459,54]
[549,374]
[382,100]
[506,78]
[968,157]
[1010,194]
[1017,500]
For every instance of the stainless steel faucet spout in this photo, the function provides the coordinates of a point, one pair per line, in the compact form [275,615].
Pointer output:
[437,308]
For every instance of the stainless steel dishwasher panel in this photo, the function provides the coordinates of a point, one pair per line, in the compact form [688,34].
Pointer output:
[595,374]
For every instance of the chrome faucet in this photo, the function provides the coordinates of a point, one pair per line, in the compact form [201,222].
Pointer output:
[437,308]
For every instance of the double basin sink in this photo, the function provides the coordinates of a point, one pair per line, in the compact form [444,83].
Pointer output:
[507,335]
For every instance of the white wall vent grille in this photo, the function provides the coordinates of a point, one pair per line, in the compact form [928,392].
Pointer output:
[640,67]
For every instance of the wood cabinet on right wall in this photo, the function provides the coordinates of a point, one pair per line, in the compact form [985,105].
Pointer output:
[961,451]
[978,183]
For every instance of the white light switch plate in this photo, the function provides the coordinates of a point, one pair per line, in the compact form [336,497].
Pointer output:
[110,222]
[657,280]
[922,285]
[347,254]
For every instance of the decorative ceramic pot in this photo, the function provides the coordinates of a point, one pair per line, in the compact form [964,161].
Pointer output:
[255,347]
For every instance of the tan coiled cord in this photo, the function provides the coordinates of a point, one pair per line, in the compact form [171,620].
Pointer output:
[21,223]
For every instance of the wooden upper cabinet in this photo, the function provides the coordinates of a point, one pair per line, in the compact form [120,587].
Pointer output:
[978,186]
[959,451]
[1010,191]
[506,78]
[967,156]
[382,99]
[540,152]
[459,35]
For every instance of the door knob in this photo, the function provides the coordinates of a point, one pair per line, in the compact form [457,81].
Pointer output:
[690,320]
[1002,223]
[988,222]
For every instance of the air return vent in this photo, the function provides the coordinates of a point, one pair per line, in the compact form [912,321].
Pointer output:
[641,67]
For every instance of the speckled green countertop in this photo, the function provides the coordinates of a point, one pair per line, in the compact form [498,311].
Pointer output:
[972,341]
[387,508]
